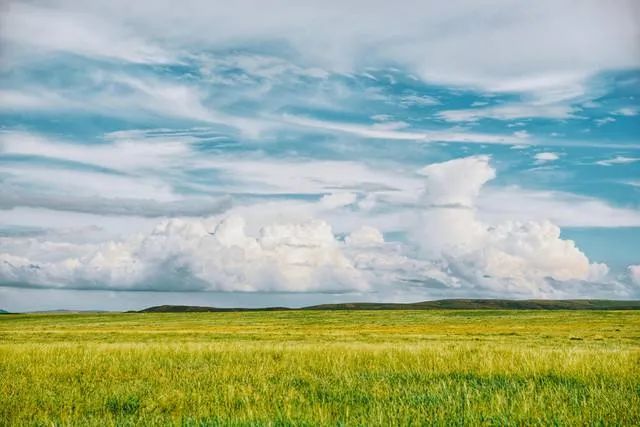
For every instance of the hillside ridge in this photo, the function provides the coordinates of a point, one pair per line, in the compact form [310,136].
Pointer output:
[456,304]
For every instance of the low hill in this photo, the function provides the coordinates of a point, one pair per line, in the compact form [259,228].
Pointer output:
[456,304]
[4,312]
[492,304]
[195,309]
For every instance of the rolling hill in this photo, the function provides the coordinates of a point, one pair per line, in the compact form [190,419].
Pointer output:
[457,304]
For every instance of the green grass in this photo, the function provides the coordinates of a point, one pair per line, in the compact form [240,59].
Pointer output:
[322,368]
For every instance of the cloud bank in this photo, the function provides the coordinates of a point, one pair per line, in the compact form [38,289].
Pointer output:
[450,248]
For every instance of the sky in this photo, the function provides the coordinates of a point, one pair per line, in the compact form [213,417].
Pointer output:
[257,153]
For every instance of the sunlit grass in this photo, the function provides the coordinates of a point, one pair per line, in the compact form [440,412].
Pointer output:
[327,368]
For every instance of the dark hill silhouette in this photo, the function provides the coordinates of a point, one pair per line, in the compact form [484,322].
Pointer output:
[456,304]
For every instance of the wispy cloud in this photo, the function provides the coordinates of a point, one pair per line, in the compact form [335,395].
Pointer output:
[378,132]
[618,160]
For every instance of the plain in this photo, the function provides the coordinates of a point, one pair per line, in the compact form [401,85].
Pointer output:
[401,367]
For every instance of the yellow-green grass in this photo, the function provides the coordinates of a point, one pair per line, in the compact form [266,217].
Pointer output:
[322,368]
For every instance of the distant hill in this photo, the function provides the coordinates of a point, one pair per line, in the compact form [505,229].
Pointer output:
[195,308]
[4,312]
[66,311]
[491,304]
[456,304]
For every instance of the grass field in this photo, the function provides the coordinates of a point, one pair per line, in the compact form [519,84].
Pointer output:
[322,368]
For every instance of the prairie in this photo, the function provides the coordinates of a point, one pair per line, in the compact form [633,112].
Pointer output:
[400,367]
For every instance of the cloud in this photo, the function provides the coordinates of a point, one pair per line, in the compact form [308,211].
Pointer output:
[453,250]
[603,121]
[127,172]
[77,33]
[546,157]
[35,182]
[243,68]
[120,154]
[493,51]
[338,200]
[365,236]
[194,206]
[124,175]
[565,209]
[618,160]
[380,132]
[515,257]
[419,100]
[29,100]
[634,274]
[446,186]
[129,96]
[626,111]
[513,111]
[194,255]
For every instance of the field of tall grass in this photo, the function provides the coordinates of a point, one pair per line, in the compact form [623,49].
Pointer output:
[321,368]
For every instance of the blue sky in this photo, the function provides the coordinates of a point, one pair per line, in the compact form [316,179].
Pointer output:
[268,153]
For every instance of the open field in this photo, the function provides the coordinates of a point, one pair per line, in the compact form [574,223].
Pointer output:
[459,367]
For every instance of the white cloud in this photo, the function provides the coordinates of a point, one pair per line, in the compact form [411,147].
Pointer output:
[190,255]
[114,94]
[446,186]
[634,274]
[365,236]
[512,256]
[261,175]
[36,180]
[338,200]
[376,132]
[504,51]
[419,100]
[513,111]
[124,175]
[148,166]
[77,33]
[14,196]
[546,157]
[603,121]
[626,111]
[457,251]
[565,209]
[381,117]
[254,67]
[618,160]
[122,154]
[27,100]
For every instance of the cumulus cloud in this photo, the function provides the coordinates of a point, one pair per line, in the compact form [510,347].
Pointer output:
[365,236]
[451,249]
[192,255]
[456,182]
[511,256]
[634,274]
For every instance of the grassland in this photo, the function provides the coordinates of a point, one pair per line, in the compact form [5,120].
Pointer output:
[458,367]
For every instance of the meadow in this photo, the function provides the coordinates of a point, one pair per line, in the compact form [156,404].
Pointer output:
[373,368]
